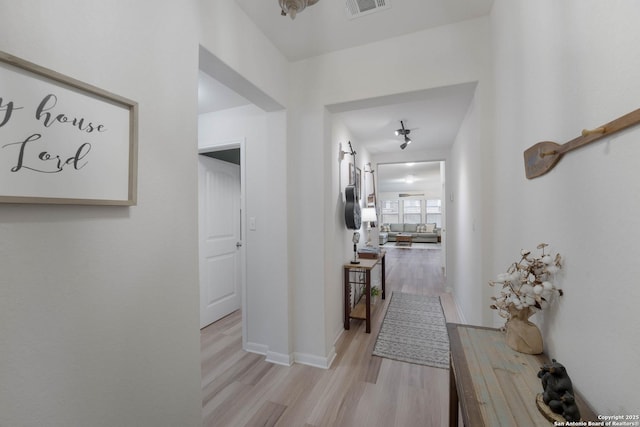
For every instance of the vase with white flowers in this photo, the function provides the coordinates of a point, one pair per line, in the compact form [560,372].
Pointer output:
[526,288]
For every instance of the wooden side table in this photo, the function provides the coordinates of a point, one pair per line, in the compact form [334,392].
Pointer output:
[362,310]
[493,384]
[404,239]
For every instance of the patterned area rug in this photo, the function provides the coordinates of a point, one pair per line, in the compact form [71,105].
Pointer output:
[414,330]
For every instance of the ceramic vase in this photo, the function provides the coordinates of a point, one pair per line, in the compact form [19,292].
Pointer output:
[522,335]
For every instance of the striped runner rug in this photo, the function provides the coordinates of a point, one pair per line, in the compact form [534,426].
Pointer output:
[414,330]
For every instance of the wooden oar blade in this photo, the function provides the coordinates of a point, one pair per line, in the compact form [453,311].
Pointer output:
[541,158]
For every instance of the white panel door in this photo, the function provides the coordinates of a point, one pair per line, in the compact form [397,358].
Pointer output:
[220,245]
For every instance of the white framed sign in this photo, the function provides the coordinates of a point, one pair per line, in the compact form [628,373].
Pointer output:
[63,141]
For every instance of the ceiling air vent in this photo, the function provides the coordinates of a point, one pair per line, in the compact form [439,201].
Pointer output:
[358,8]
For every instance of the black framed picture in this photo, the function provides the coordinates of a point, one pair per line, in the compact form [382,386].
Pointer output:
[358,179]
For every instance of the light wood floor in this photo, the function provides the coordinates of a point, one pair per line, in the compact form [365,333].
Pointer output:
[241,389]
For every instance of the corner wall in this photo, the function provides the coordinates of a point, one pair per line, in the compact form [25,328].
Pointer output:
[560,68]
[465,199]
[229,34]
[337,250]
[99,304]
[267,293]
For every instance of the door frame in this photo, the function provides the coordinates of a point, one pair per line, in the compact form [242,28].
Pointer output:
[228,145]
[446,197]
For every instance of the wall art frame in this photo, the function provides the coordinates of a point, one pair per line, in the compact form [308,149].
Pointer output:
[358,177]
[63,141]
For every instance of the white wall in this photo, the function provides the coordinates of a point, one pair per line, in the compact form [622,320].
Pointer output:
[465,232]
[267,320]
[99,305]
[229,34]
[339,244]
[468,199]
[431,189]
[438,57]
[559,68]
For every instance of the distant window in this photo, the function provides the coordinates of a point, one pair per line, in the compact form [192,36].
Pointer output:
[412,211]
[434,212]
[390,211]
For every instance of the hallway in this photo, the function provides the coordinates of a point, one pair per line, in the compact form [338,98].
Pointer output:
[241,389]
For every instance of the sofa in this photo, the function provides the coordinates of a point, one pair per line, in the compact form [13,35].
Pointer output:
[420,233]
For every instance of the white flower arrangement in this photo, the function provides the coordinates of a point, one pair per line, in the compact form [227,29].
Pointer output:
[527,284]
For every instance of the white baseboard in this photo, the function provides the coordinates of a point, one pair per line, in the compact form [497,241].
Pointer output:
[457,304]
[338,335]
[256,348]
[270,356]
[315,361]
[279,358]
[288,360]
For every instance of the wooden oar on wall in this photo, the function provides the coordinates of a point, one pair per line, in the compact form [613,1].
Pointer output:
[543,156]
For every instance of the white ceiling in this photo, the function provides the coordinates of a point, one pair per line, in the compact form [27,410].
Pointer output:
[434,116]
[411,178]
[324,27]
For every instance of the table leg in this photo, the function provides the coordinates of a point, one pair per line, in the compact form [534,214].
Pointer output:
[384,275]
[453,397]
[347,299]
[367,289]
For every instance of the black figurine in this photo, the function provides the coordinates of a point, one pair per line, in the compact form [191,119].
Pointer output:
[558,390]
[570,410]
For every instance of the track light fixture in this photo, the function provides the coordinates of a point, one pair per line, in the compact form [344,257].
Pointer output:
[406,142]
[404,132]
